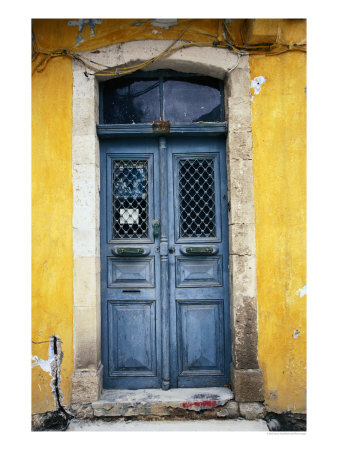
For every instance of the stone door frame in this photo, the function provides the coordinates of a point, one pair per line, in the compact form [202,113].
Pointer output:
[247,379]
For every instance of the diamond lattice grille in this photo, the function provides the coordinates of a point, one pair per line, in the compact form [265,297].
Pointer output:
[130,199]
[197,198]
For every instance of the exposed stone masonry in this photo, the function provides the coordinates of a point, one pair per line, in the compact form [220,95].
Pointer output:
[231,410]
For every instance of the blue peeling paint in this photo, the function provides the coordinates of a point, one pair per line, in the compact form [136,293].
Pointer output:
[296,333]
[81,23]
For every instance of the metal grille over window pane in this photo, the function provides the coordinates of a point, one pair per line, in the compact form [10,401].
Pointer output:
[130,200]
[197,198]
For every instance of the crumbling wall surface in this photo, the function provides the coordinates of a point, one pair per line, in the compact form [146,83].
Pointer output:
[279,169]
[52,200]
[59,418]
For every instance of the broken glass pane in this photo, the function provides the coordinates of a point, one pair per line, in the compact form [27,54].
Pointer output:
[131,101]
[130,200]
[195,99]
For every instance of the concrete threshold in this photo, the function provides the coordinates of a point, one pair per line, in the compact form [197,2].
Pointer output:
[156,402]
[172,425]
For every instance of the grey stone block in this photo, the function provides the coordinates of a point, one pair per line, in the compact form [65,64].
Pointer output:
[245,334]
[82,411]
[247,384]
[230,411]
[239,144]
[87,385]
[252,411]
[239,83]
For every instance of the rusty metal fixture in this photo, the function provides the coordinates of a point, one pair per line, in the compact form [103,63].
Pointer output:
[161,126]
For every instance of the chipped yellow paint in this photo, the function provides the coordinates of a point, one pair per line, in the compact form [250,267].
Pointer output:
[52,200]
[279,169]
[279,189]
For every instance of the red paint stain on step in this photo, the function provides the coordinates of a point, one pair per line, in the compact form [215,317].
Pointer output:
[204,403]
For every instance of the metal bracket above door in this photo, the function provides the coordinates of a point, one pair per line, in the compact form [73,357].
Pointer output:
[161,126]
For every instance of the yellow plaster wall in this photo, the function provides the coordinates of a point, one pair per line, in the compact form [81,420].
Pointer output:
[279,189]
[54,34]
[279,169]
[52,200]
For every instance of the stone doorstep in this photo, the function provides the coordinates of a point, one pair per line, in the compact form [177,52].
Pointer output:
[187,425]
[156,402]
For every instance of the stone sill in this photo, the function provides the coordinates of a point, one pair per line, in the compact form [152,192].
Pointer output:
[157,402]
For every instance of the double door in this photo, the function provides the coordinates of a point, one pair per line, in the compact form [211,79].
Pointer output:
[164,262]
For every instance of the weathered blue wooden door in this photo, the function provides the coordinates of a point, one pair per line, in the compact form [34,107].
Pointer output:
[198,249]
[164,250]
[130,274]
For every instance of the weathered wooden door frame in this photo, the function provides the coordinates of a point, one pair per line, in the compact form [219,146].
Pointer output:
[247,380]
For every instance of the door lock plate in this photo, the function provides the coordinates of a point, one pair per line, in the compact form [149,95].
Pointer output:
[161,126]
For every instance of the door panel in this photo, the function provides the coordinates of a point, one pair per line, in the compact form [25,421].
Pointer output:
[131,272]
[174,281]
[198,272]
[131,334]
[131,309]
[199,301]
[200,337]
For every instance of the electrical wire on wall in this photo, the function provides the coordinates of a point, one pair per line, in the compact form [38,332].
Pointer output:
[276,48]
[223,40]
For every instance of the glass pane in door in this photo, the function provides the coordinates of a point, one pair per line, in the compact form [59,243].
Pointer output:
[196,198]
[130,199]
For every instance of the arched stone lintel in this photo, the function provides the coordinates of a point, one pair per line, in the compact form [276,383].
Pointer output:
[210,61]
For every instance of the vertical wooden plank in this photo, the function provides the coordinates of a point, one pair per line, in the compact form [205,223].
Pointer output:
[131,321]
[161,97]
[164,262]
[225,238]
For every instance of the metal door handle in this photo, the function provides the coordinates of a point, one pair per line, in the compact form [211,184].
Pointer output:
[130,251]
[199,250]
[156,228]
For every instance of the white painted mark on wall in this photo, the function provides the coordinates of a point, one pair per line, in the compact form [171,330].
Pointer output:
[296,333]
[302,291]
[256,84]
[45,365]
[164,23]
